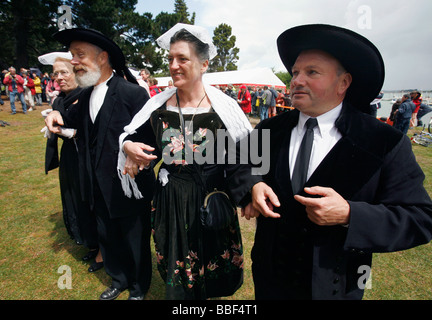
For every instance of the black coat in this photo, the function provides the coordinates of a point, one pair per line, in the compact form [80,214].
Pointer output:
[373,167]
[64,104]
[98,145]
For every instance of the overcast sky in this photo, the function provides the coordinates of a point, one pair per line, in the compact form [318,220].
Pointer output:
[401,29]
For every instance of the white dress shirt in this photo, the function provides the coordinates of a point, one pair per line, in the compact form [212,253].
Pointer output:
[97,98]
[326,135]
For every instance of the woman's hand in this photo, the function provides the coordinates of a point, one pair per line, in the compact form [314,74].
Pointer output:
[137,159]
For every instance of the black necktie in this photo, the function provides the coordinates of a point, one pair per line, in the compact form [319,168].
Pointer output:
[302,162]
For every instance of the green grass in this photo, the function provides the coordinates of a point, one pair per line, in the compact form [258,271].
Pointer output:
[34,242]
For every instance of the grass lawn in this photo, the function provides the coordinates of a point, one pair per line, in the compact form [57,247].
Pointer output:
[34,242]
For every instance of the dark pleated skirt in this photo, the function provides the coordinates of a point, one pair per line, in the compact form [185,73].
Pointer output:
[194,263]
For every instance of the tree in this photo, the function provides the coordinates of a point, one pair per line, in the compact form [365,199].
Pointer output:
[27,27]
[181,9]
[285,77]
[227,56]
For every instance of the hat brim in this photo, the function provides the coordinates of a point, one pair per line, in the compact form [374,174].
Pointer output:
[356,54]
[117,58]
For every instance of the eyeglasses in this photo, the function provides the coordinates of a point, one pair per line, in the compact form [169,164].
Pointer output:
[63,73]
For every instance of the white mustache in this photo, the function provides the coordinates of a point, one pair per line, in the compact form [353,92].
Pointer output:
[75,69]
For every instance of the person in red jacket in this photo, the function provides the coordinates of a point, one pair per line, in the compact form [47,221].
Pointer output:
[417,100]
[15,86]
[154,89]
[244,99]
[29,90]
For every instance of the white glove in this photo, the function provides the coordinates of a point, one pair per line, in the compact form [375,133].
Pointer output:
[67,132]
[46,132]
[46,112]
[163,176]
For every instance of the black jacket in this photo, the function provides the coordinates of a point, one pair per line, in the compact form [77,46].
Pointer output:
[373,167]
[98,145]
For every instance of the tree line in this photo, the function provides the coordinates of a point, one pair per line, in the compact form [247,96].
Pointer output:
[27,26]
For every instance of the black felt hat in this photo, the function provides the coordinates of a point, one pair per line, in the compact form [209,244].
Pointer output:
[97,38]
[357,55]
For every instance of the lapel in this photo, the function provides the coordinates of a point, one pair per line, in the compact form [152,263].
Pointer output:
[352,162]
[280,160]
[86,114]
[85,167]
[104,116]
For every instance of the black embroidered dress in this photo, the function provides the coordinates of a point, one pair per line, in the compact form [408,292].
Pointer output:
[194,263]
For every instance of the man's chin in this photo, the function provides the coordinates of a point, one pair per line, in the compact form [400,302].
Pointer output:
[298,105]
[86,80]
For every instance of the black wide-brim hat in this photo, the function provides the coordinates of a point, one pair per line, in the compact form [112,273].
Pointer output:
[97,38]
[356,54]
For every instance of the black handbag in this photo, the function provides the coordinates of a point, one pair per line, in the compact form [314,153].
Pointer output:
[217,211]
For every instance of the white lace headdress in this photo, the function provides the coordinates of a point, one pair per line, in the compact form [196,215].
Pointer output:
[50,58]
[201,33]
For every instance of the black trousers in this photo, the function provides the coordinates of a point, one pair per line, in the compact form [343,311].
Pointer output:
[125,246]
[269,287]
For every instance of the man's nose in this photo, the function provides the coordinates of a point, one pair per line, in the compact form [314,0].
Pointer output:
[298,79]
[74,61]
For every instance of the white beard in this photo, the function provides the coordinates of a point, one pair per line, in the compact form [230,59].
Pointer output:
[89,78]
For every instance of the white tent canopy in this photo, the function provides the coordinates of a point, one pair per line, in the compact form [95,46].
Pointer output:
[253,77]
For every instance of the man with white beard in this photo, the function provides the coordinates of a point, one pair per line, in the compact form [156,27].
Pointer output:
[107,104]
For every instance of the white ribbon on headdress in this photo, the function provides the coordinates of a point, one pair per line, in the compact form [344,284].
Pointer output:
[229,111]
[50,58]
[164,40]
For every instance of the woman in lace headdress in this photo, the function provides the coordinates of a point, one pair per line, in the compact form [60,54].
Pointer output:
[79,221]
[194,263]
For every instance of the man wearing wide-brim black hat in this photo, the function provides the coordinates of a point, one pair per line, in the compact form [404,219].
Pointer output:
[108,103]
[359,191]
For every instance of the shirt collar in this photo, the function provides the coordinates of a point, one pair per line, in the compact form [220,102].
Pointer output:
[105,83]
[326,121]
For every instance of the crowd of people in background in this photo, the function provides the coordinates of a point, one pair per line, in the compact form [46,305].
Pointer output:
[30,87]
[407,111]
[256,101]
[259,101]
